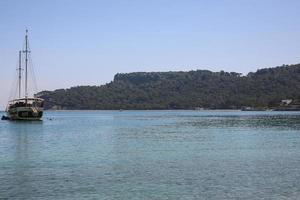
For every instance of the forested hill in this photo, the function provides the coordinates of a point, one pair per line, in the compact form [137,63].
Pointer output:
[182,90]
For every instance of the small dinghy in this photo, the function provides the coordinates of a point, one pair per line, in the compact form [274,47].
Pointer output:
[4,117]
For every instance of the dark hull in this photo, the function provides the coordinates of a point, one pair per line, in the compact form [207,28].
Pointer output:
[25,113]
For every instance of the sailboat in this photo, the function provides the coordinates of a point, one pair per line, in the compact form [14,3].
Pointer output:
[24,108]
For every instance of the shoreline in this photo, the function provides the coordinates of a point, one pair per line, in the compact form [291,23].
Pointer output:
[169,110]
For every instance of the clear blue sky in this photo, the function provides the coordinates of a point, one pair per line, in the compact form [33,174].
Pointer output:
[86,42]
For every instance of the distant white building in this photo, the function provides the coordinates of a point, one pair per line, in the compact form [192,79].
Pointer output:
[286,102]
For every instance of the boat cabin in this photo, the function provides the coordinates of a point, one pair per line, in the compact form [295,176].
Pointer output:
[26,102]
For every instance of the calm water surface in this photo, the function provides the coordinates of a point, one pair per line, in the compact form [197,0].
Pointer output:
[152,155]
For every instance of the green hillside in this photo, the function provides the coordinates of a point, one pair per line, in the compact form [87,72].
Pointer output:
[182,90]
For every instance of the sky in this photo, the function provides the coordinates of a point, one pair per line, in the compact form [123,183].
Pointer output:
[86,42]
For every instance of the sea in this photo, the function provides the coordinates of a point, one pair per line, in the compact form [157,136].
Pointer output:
[152,155]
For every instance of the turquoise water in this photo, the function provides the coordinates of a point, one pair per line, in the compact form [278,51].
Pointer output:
[152,155]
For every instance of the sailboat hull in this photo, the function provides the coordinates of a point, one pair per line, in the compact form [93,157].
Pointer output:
[25,113]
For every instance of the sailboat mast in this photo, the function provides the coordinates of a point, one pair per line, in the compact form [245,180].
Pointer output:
[26,63]
[20,75]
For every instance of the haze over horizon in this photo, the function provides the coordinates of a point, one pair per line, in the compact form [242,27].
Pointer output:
[88,42]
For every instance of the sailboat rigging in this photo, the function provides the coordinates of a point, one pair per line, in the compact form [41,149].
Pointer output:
[24,108]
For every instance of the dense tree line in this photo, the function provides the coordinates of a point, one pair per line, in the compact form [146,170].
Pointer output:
[183,90]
